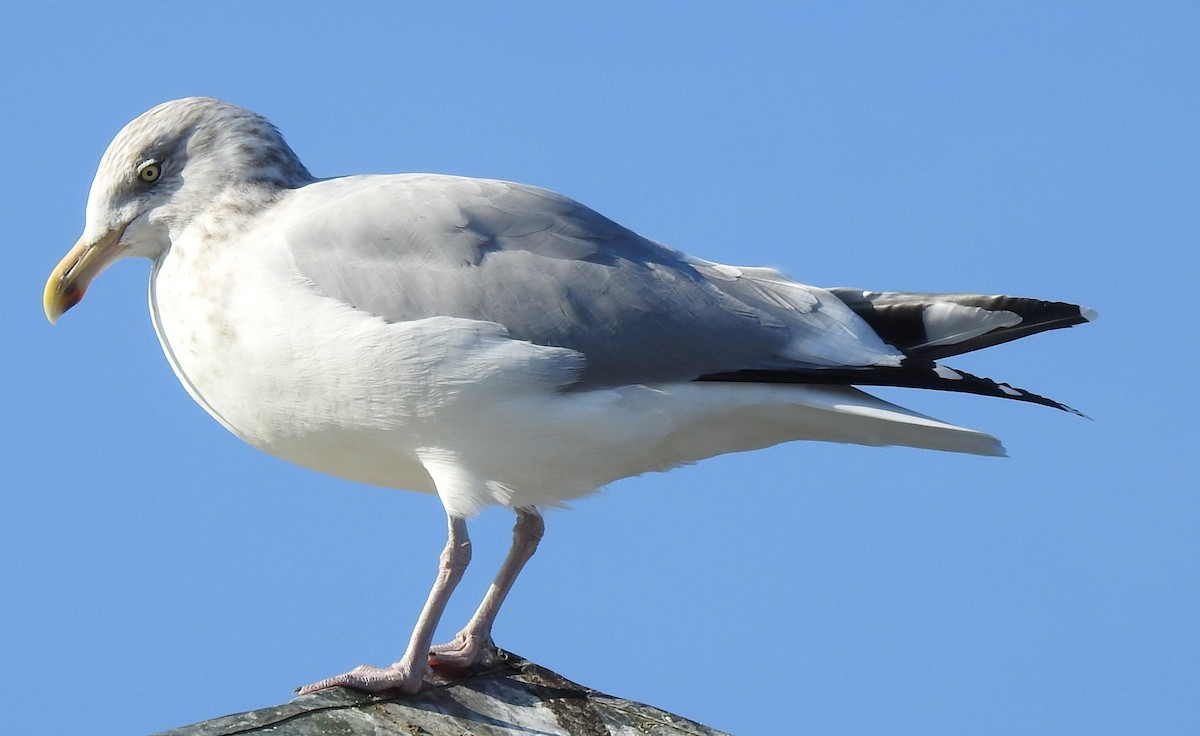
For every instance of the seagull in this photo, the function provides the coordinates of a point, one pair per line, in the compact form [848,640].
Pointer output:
[490,342]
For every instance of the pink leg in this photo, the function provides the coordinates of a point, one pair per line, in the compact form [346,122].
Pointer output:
[407,674]
[470,645]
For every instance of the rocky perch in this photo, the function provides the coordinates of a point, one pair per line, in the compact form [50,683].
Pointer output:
[503,697]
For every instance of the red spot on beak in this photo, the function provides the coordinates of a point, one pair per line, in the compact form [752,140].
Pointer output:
[72,296]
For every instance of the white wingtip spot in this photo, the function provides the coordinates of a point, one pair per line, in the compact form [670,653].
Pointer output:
[1090,315]
[948,373]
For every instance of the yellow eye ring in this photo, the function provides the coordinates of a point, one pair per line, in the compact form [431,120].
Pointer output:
[149,171]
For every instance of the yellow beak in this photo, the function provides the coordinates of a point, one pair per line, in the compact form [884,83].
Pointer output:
[70,278]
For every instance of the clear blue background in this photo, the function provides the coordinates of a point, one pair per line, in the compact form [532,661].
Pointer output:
[156,571]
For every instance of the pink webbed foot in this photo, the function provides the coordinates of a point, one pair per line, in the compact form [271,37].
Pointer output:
[373,679]
[465,651]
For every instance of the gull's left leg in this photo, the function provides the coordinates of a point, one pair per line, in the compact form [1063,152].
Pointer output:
[469,646]
[407,674]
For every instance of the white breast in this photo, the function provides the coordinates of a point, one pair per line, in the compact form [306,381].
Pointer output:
[287,370]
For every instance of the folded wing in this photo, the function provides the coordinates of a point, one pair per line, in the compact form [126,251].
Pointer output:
[553,272]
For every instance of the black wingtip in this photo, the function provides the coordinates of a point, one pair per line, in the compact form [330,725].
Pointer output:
[937,325]
[911,373]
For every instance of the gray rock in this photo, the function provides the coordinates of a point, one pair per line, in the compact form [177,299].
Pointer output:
[505,696]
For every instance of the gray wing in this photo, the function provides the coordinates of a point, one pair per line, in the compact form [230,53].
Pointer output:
[554,272]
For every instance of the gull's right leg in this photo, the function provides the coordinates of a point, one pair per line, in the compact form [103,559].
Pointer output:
[407,674]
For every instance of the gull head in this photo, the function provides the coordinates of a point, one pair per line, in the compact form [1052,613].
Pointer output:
[169,165]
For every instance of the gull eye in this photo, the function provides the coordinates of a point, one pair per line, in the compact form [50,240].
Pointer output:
[149,171]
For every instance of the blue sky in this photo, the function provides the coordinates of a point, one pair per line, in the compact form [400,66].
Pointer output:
[157,572]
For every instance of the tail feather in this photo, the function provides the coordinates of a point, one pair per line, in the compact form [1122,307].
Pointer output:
[722,418]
